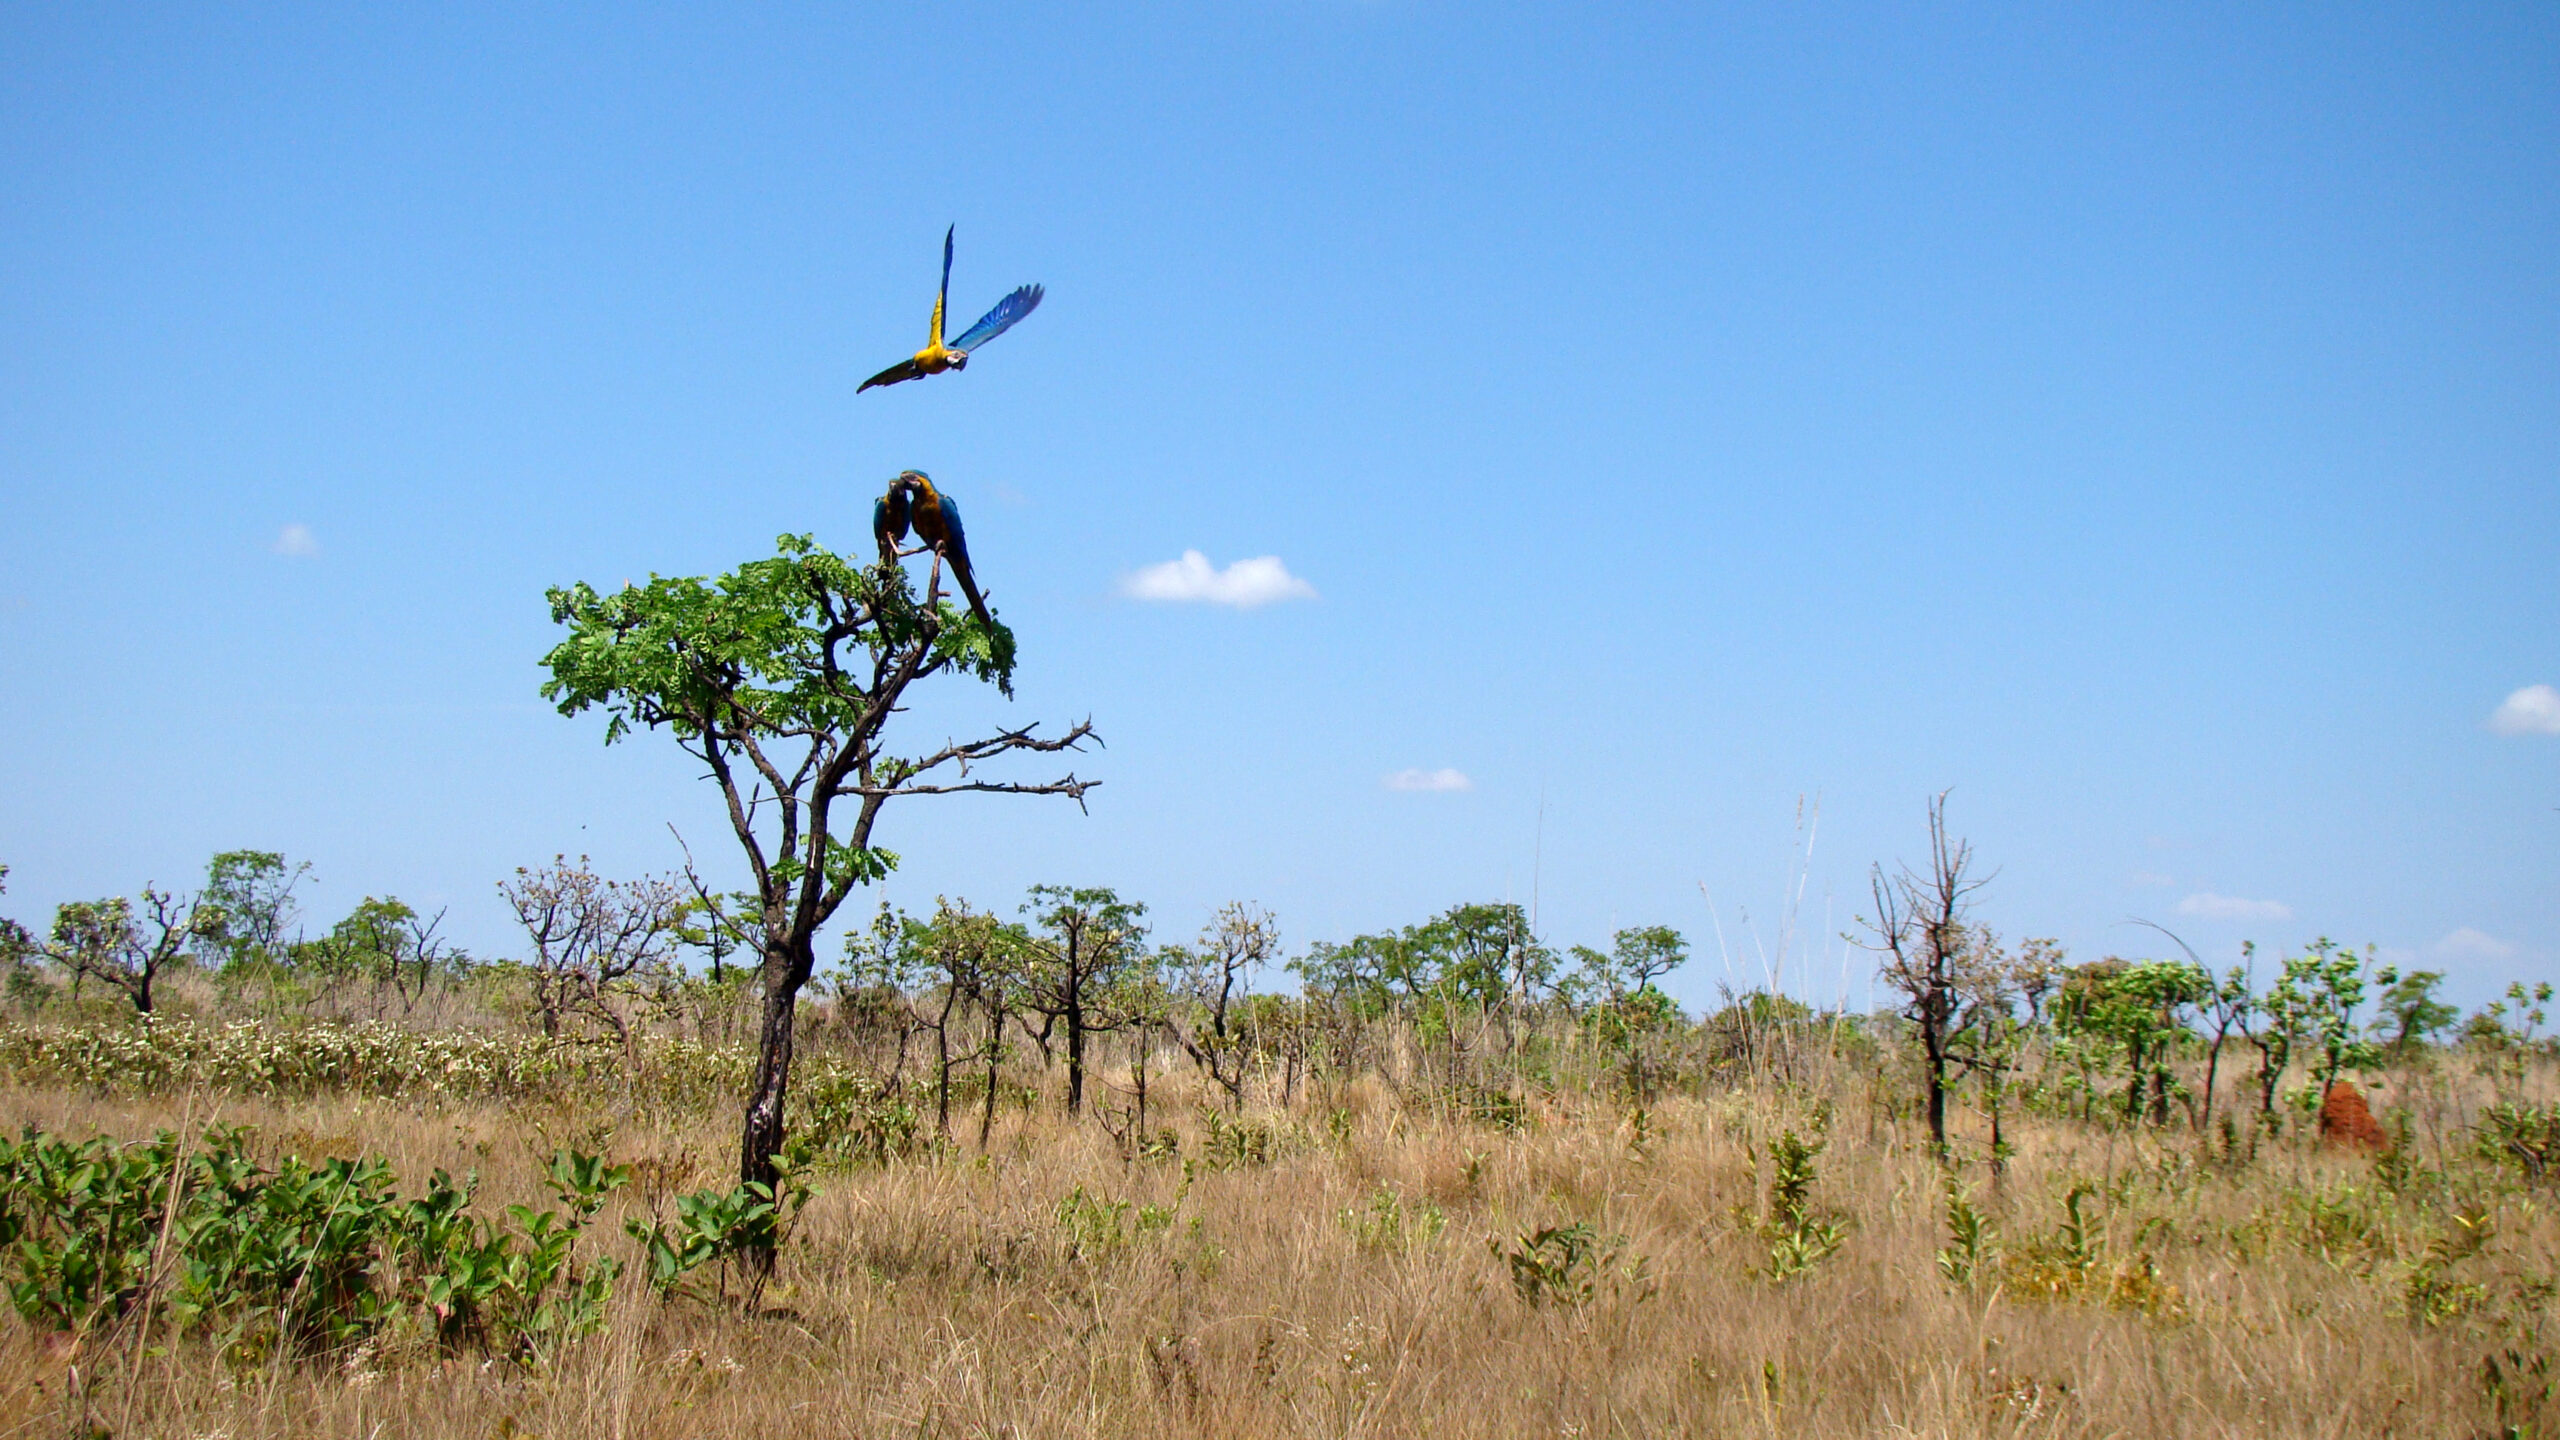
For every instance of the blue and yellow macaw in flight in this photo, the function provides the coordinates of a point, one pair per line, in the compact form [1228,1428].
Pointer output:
[937,357]
[913,500]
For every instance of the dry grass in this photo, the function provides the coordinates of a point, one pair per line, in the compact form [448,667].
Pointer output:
[945,1297]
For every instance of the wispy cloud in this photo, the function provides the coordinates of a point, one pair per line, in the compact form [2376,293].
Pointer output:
[1244,584]
[2533,710]
[2205,905]
[296,539]
[2467,944]
[1443,779]
[2153,877]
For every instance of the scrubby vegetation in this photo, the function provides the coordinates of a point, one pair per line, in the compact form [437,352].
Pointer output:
[1047,1175]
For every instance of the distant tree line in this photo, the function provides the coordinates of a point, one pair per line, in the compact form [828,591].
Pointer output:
[960,1003]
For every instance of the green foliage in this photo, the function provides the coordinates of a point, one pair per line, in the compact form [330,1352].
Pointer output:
[2078,1242]
[1091,1224]
[2524,1136]
[1968,1251]
[312,1258]
[248,895]
[2071,1263]
[1388,1223]
[729,1228]
[2407,1011]
[1469,960]
[2315,1000]
[1798,1237]
[2131,1014]
[1637,958]
[1571,1265]
[2432,1294]
[753,651]
[129,947]
[2521,1387]
[1235,1144]
[848,1119]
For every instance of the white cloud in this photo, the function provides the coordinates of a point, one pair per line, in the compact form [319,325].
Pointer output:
[1244,584]
[296,539]
[1430,780]
[2153,877]
[2467,944]
[2205,905]
[2533,710]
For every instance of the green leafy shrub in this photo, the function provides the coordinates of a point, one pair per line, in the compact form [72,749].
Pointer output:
[2524,1136]
[848,1120]
[1571,1265]
[300,1257]
[1798,1237]
[1968,1250]
[723,1227]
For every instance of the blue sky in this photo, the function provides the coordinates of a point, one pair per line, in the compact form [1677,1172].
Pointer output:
[2147,426]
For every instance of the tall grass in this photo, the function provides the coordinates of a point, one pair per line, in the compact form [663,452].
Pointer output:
[1758,1248]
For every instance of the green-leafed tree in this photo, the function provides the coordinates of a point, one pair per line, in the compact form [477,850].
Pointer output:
[1620,1005]
[2320,992]
[2409,1012]
[1085,943]
[781,678]
[383,951]
[2136,1010]
[249,908]
[1476,960]
[125,946]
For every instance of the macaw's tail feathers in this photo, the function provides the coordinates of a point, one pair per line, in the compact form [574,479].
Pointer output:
[969,587]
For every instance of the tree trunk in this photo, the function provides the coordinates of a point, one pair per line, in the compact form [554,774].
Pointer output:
[760,1144]
[942,1065]
[1139,1131]
[1999,1156]
[2212,1069]
[2272,1061]
[995,1061]
[1075,1057]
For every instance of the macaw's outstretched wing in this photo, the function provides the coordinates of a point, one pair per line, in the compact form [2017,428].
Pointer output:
[955,551]
[995,322]
[906,369]
[944,293]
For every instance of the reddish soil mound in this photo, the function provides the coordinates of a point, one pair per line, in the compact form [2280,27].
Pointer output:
[2345,1120]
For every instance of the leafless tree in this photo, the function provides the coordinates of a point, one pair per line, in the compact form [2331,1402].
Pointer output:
[1921,935]
[598,944]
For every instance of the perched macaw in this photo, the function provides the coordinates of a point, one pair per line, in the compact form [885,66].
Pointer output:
[937,357]
[889,520]
[937,523]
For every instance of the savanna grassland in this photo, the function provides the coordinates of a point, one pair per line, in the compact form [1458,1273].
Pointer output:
[1581,1217]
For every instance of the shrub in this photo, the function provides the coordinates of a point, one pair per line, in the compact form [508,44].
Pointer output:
[300,1257]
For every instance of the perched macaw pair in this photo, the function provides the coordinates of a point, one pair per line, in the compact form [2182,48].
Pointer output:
[912,501]
[936,356]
